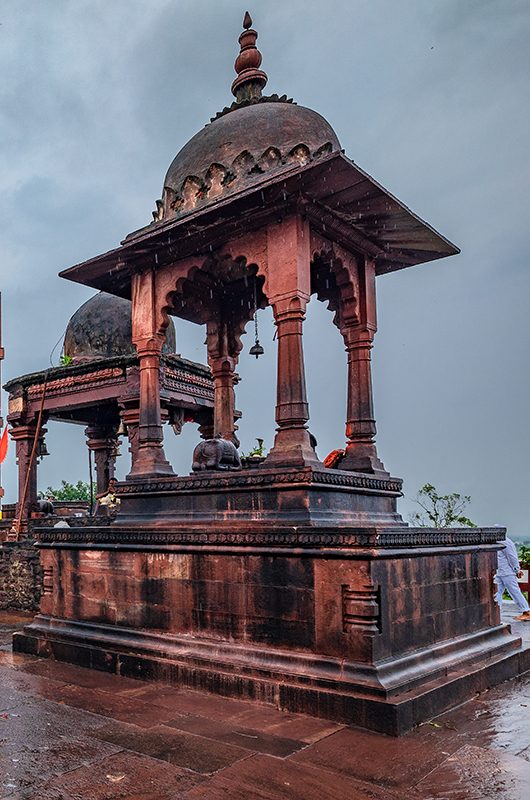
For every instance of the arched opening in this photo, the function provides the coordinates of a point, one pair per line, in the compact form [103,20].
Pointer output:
[326,373]
[223,294]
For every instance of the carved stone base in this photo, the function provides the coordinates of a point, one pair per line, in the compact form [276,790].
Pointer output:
[150,462]
[363,458]
[292,448]
[290,681]
[378,627]
[263,497]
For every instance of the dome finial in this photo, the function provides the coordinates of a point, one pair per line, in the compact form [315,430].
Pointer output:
[250,79]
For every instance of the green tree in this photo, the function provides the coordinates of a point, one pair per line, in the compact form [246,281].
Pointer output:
[441,510]
[524,555]
[69,491]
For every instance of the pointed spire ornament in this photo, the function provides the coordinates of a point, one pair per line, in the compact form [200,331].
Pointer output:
[250,79]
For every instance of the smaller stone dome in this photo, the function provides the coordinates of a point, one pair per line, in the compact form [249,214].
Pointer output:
[102,328]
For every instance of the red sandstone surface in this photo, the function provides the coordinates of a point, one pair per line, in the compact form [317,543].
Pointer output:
[68,733]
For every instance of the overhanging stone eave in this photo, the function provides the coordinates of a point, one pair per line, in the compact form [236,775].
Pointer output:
[394,236]
[54,373]
[401,238]
[95,364]
[104,272]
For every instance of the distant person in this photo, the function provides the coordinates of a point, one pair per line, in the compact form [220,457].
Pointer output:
[508,570]
[46,506]
[107,503]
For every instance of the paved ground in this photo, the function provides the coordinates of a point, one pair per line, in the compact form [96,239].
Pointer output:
[68,732]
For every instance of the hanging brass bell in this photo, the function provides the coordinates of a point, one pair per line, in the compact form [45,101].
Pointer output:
[256,349]
[42,450]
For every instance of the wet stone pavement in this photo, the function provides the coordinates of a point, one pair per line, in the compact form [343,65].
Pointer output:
[68,733]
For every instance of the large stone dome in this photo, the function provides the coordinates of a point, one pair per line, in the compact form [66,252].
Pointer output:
[256,137]
[240,147]
[102,328]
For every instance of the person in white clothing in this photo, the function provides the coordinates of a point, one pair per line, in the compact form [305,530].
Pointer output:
[508,570]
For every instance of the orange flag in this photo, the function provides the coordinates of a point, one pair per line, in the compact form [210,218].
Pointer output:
[3,445]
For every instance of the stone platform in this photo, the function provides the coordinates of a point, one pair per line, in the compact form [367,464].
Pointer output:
[377,626]
[262,498]
[69,733]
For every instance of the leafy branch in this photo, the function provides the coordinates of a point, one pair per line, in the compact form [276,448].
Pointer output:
[441,510]
[68,491]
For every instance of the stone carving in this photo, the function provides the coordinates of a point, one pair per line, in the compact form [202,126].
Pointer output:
[264,478]
[178,380]
[351,537]
[79,383]
[361,608]
[271,98]
[47,580]
[196,189]
[216,454]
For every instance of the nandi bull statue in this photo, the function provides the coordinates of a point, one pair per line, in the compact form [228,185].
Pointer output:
[216,454]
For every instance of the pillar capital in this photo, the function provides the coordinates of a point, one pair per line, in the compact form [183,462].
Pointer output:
[23,431]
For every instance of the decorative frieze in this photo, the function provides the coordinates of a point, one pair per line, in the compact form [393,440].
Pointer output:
[328,538]
[261,478]
[78,383]
[181,381]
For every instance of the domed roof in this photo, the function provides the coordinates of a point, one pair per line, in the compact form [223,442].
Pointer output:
[102,328]
[235,150]
[253,137]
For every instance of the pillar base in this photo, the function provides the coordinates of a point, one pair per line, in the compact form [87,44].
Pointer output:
[262,498]
[150,462]
[363,458]
[292,448]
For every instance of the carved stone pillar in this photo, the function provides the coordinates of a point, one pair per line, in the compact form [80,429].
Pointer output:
[288,288]
[130,416]
[24,437]
[103,442]
[291,444]
[148,339]
[222,358]
[361,454]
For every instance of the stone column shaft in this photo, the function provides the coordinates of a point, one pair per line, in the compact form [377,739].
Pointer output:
[103,443]
[24,437]
[361,453]
[148,340]
[291,444]
[223,361]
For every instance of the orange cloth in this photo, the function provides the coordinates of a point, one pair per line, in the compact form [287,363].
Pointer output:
[333,459]
[3,445]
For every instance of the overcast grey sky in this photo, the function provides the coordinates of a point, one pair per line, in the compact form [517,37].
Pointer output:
[431,97]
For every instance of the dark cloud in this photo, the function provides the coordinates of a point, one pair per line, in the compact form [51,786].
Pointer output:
[431,98]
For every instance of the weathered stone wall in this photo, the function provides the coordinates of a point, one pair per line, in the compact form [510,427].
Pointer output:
[20,576]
